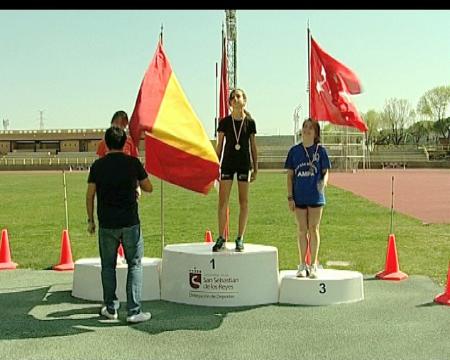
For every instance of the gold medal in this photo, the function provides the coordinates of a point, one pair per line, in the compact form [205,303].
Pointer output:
[237,146]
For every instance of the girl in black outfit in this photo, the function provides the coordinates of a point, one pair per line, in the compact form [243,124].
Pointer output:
[238,130]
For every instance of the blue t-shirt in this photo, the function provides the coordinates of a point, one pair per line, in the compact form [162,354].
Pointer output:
[306,177]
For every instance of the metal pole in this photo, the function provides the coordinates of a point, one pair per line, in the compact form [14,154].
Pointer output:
[65,200]
[346,149]
[296,123]
[309,70]
[392,206]
[364,150]
[162,184]
[231,41]
[162,217]
[215,120]
[235,61]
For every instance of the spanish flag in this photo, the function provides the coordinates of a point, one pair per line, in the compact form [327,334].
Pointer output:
[177,148]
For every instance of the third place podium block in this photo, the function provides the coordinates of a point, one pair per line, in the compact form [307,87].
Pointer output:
[330,287]
[193,274]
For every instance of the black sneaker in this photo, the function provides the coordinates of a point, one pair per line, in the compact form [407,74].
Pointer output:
[239,244]
[219,245]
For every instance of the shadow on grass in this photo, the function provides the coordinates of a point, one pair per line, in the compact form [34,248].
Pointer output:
[41,313]
[429,304]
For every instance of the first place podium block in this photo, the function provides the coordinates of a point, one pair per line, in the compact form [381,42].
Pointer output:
[87,280]
[330,287]
[193,274]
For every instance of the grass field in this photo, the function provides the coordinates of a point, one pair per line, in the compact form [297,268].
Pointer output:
[353,229]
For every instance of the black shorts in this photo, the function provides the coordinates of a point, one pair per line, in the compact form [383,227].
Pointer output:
[228,174]
[305,206]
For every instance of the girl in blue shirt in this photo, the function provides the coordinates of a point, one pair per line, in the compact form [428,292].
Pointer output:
[307,167]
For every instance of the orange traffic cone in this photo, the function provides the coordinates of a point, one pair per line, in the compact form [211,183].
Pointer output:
[208,237]
[65,260]
[5,254]
[444,298]
[308,254]
[391,270]
[120,251]
[121,255]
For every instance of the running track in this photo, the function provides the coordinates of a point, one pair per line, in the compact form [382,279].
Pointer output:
[420,193]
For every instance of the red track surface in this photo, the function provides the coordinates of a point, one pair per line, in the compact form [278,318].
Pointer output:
[423,194]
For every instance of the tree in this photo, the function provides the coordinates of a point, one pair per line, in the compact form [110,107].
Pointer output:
[433,105]
[384,137]
[442,126]
[397,114]
[373,121]
[419,130]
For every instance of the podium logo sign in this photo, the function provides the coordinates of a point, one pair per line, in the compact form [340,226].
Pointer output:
[195,278]
[219,286]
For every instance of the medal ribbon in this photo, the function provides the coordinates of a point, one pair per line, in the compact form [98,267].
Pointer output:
[237,136]
[310,162]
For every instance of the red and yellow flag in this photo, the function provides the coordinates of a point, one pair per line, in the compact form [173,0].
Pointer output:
[177,148]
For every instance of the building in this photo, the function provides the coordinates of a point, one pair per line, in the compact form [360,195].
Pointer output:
[51,141]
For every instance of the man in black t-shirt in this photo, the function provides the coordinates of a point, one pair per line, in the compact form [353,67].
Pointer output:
[113,179]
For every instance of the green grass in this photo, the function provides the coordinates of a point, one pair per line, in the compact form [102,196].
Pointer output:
[353,229]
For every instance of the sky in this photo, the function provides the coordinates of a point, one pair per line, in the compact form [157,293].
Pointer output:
[80,66]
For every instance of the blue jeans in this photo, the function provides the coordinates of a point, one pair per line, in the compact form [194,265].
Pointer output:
[133,247]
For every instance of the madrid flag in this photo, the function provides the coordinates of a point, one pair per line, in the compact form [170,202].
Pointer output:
[177,148]
[331,84]
[223,104]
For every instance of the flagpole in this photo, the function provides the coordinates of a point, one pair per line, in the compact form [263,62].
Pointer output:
[162,183]
[215,120]
[309,70]
[364,151]
[392,206]
[162,217]
[346,148]
[65,200]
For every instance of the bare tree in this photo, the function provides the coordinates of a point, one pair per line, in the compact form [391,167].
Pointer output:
[397,115]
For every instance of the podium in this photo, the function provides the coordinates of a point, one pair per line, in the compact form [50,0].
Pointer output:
[87,281]
[193,274]
[330,287]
